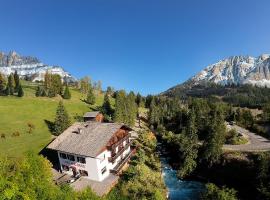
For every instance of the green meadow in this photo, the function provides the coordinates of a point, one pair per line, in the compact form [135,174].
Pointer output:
[16,113]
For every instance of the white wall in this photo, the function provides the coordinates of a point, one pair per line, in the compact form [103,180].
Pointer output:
[94,166]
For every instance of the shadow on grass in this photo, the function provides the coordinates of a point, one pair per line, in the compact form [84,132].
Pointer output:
[50,125]
[52,156]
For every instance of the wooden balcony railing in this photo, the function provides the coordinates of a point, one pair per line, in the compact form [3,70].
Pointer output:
[113,147]
[122,162]
[120,151]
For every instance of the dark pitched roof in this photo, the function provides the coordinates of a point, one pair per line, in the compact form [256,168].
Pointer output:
[89,142]
[91,114]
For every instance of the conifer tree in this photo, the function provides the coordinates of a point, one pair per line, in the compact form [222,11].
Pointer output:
[11,84]
[109,91]
[7,90]
[106,107]
[67,94]
[189,146]
[62,121]
[131,109]
[20,91]
[90,99]
[153,113]
[38,91]
[215,137]
[139,100]
[120,107]
[16,81]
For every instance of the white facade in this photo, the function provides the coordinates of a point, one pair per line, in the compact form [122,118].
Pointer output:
[97,168]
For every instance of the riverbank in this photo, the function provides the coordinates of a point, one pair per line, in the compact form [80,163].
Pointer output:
[178,189]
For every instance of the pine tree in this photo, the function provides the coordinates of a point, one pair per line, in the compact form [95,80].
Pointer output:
[20,91]
[106,107]
[154,113]
[38,91]
[215,137]
[90,99]
[109,91]
[189,146]
[67,94]
[131,109]
[62,121]
[11,84]
[7,90]
[120,107]
[16,81]
[139,100]
[56,85]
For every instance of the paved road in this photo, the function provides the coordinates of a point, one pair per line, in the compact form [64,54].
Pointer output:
[256,142]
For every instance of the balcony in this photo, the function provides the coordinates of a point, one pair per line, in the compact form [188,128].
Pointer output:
[122,162]
[120,151]
[120,141]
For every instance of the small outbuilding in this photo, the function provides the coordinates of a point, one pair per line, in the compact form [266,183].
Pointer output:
[94,116]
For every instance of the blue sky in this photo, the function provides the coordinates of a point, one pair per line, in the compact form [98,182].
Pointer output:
[141,45]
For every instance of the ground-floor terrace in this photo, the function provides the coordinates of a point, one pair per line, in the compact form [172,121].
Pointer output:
[79,180]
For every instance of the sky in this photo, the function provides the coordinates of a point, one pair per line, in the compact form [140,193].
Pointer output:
[140,45]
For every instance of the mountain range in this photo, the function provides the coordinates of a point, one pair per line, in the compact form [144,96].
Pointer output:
[233,70]
[29,67]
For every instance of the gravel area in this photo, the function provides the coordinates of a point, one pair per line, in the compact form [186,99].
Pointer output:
[256,142]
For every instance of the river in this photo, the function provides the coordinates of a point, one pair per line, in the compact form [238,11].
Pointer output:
[179,189]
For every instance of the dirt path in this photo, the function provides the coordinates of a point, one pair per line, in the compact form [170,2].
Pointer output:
[256,142]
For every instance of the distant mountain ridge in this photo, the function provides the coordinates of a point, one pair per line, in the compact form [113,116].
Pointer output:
[29,67]
[233,70]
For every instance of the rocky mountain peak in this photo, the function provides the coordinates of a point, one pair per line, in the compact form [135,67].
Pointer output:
[29,67]
[237,70]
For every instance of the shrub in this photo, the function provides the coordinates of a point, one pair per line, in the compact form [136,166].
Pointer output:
[232,137]
[3,135]
[15,134]
[215,193]
[31,127]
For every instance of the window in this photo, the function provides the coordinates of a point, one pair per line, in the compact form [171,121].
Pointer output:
[81,159]
[71,157]
[63,155]
[104,169]
[103,158]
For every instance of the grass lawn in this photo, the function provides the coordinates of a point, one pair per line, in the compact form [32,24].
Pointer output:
[16,112]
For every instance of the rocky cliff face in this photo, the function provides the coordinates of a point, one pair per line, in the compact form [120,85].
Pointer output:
[237,70]
[29,67]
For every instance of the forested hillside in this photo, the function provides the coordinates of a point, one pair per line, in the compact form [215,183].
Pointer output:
[237,95]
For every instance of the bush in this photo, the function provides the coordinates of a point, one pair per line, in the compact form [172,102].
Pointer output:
[31,127]
[3,135]
[232,137]
[15,134]
[215,193]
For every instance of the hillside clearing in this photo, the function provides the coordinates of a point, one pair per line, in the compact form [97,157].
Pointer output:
[16,113]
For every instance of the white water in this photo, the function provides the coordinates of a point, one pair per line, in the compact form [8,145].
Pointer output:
[179,189]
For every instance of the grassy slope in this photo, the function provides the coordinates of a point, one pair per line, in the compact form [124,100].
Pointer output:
[17,112]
